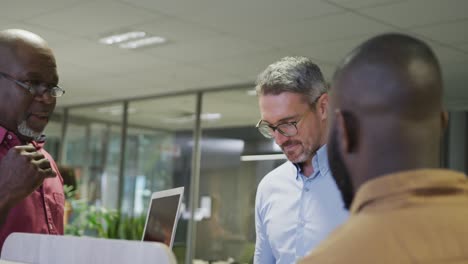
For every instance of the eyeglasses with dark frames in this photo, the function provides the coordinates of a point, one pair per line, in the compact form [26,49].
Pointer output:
[288,129]
[35,89]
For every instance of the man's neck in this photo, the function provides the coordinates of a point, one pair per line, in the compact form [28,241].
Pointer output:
[24,140]
[307,168]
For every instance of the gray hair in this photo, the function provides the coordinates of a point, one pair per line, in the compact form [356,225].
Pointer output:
[292,74]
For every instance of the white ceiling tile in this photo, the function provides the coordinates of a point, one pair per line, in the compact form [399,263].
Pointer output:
[190,77]
[364,3]
[327,71]
[455,79]
[178,31]
[83,52]
[318,30]
[247,66]
[71,74]
[463,46]
[81,93]
[210,48]
[51,36]
[104,87]
[24,9]
[105,59]
[126,61]
[154,80]
[332,51]
[116,87]
[227,15]
[455,74]
[450,32]
[95,19]
[419,12]
[447,55]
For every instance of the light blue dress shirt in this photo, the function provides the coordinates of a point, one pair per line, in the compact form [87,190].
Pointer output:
[294,213]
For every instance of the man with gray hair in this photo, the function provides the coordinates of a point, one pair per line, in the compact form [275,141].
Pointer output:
[31,191]
[297,204]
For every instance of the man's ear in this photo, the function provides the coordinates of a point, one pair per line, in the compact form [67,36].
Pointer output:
[444,119]
[342,132]
[322,106]
[347,130]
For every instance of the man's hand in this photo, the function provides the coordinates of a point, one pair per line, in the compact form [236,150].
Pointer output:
[22,171]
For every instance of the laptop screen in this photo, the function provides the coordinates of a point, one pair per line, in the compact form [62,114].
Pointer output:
[163,214]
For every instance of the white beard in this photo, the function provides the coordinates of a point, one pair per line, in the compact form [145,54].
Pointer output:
[24,130]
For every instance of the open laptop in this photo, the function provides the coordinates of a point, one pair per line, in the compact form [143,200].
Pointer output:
[163,214]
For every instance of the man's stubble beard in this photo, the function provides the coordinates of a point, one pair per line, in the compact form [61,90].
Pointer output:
[306,155]
[339,170]
[26,131]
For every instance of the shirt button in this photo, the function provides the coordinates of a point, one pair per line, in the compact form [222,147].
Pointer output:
[9,137]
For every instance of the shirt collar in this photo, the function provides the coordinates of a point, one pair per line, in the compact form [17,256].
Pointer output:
[319,162]
[6,135]
[403,182]
[37,144]
[3,133]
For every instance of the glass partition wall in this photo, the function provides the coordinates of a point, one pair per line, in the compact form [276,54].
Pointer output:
[92,147]
[118,176]
[158,157]
[158,153]
[228,181]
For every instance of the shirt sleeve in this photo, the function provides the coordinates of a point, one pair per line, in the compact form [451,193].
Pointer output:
[263,252]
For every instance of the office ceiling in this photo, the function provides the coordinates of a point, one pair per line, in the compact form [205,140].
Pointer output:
[215,43]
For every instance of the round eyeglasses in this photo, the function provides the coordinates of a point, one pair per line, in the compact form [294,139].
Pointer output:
[286,129]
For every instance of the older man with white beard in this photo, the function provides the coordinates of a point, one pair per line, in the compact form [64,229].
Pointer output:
[31,189]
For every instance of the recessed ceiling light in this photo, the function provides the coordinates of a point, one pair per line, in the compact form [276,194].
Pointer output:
[210,117]
[119,38]
[263,157]
[142,42]
[115,110]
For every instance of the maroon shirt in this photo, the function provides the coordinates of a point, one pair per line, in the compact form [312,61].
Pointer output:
[40,212]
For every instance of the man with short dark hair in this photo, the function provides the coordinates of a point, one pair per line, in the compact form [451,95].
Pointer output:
[31,191]
[386,124]
[297,204]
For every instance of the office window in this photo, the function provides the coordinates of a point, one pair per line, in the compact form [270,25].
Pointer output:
[228,183]
[158,155]
[93,143]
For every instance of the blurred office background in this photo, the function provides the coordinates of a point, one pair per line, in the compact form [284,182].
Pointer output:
[180,109]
